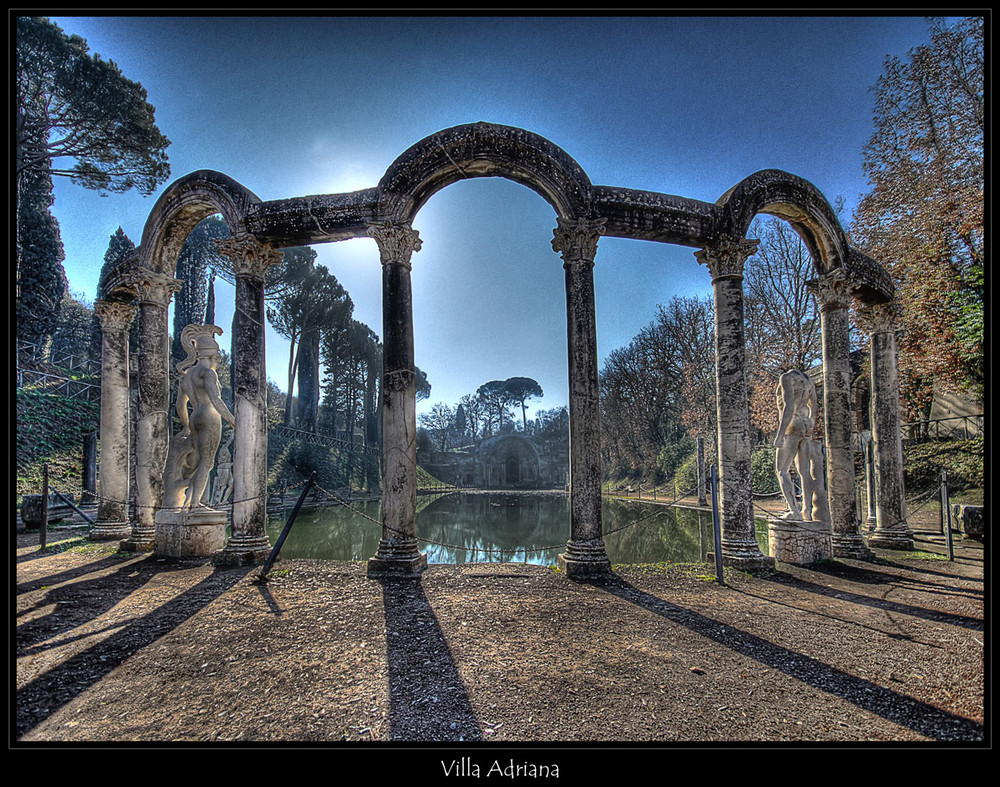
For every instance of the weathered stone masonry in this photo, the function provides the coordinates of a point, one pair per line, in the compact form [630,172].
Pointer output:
[584,213]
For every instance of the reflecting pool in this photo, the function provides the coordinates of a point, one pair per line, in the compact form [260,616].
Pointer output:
[482,527]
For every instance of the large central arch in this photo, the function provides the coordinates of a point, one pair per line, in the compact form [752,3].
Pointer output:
[584,212]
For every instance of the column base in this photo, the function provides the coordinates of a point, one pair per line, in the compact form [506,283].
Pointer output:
[396,567]
[745,556]
[397,558]
[892,539]
[851,546]
[111,531]
[141,540]
[584,559]
[243,552]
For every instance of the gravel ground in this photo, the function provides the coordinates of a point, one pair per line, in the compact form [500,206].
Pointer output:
[124,649]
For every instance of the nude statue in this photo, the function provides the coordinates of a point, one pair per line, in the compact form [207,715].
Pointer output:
[192,450]
[796,399]
[224,476]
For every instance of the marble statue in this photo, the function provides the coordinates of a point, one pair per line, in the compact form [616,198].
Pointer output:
[796,400]
[223,490]
[192,450]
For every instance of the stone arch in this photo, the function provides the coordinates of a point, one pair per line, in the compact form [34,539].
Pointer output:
[483,150]
[793,199]
[182,206]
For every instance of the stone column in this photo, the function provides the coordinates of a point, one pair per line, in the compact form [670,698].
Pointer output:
[576,240]
[398,553]
[725,261]
[835,300]
[249,544]
[152,439]
[891,528]
[112,508]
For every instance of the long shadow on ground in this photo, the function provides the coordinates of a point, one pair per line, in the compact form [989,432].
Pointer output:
[871,577]
[427,699]
[897,708]
[42,697]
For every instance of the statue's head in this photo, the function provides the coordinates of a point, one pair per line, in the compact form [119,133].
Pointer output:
[199,343]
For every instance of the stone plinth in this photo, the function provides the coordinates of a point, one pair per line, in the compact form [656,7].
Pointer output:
[800,543]
[200,532]
[397,559]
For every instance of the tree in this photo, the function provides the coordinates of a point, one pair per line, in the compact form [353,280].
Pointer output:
[310,301]
[923,218]
[495,400]
[71,104]
[782,318]
[520,390]
[40,278]
[198,253]
[439,423]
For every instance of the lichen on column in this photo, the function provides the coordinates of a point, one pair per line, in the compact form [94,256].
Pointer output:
[576,240]
[832,292]
[154,291]
[112,508]
[251,259]
[398,551]
[892,530]
[725,260]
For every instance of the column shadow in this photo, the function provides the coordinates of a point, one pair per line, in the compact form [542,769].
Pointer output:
[427,699]
[46,694]
[897,708]
[861,575]
[78,602]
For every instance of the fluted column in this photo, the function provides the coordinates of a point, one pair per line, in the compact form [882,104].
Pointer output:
[398,552]
[891,528]
[249,544]
[113,469]
[576,241]
[725,261]
[835,300]
[152,439]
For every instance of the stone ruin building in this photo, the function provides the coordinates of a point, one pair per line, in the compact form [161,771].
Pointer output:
[141,289]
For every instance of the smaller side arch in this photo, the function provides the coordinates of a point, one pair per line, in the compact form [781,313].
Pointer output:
[186,202]
[794,199]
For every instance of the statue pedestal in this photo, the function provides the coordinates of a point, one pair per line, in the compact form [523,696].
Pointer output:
[800,543]
[199,532]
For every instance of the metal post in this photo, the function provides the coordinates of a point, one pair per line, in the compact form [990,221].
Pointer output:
[43,532]
[946,511]
[716,527]
[701,472]
[288,526]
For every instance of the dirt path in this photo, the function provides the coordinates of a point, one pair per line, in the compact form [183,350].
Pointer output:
[117,649]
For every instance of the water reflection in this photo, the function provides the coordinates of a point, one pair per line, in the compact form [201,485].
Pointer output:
[503,527]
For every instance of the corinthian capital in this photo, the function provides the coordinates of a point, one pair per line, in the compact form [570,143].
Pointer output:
[250,257]
[725,259]
[396,242]
[879,317]
[153,287]
[115,317]
[576,239]
[831,290]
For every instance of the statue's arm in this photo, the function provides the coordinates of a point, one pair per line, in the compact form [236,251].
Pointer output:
[784,396]
[214,391]
[181,406]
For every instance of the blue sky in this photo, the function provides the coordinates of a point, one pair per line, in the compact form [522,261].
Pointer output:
[290,106]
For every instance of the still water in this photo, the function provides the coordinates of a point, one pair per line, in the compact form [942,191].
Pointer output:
[503,528]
